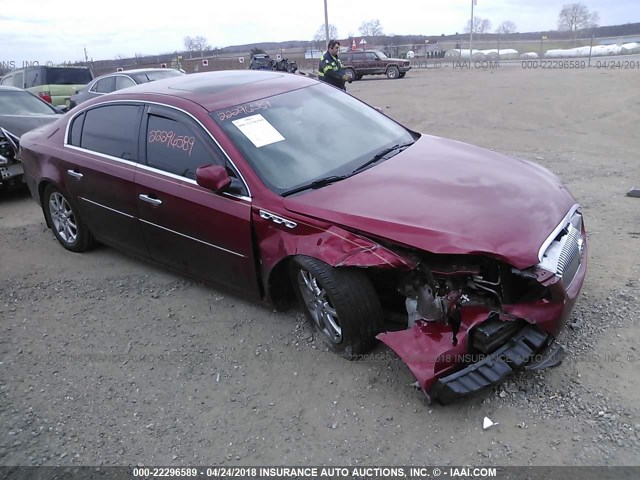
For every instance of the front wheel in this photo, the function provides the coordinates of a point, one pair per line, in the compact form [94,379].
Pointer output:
[65,223]
[393,72]
[340,303]
[402,74]
[351,73]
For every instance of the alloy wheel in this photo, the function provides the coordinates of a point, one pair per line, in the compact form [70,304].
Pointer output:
[319,305]
[64,221]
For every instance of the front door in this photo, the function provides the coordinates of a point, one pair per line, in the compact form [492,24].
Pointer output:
[187,227]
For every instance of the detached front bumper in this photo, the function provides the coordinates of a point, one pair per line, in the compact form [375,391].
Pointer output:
[11,173]
[528,348]
[447,372]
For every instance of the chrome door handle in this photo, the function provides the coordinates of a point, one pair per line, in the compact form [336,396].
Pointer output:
[74,174]
[153,201]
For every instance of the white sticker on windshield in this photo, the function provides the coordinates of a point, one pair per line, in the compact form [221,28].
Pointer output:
[257,129]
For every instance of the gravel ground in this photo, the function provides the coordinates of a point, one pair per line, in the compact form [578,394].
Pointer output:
[108,360]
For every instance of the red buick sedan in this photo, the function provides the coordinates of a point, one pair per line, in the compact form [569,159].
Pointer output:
[279,186]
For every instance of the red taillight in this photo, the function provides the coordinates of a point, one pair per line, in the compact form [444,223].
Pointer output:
[46,96]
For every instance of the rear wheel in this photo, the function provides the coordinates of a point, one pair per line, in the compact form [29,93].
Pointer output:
[65,223]
[340,303]
[393,72]
[358,77]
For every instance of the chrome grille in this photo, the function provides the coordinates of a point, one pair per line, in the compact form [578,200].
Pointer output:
[570,256]
[563,256]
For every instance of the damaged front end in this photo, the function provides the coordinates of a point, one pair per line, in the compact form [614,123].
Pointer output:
[473,320]
[11,170]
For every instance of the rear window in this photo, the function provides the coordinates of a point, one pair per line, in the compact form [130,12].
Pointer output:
[67,76]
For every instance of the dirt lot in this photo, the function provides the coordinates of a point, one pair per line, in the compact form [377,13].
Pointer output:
[109,360]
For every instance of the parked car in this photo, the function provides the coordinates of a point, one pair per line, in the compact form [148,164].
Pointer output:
[227,177]
[53,84]
[373,62]
[117,81]
[261,61]
[20,111]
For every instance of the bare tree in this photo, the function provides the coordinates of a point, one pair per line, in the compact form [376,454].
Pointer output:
[506,27]
[371,28]
[576,16]
[480,25]
[321,36]
[196,44]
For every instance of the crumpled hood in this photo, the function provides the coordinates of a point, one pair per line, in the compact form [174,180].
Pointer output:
[448,197]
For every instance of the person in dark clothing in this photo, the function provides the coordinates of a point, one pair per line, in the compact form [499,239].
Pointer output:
[330,69]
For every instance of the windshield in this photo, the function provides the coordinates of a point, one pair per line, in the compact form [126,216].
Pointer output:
[298,137]
[380,54]
[23,103]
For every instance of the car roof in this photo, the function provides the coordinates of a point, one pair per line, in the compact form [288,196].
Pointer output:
[10,88]
[141,70]
[221,89]
[134,71]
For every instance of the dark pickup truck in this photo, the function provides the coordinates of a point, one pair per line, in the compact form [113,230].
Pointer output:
[373,62]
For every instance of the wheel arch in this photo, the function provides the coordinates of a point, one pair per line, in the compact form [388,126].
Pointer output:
[42,186]
[334,246]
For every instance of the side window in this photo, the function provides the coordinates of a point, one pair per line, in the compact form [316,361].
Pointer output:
[7,80]
[358,57]
[179,147]
[371,57]
[123,82]
[112,130]
[106,85]
[33,77]
[75,130]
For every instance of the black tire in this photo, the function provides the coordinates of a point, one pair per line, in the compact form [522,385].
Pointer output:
[402,74]
[358,77]
[63,217]
[393,72]
[351,73]
[349,294]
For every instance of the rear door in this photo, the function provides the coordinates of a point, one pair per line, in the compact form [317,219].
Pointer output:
[187,227]
[99,172]
[374,65]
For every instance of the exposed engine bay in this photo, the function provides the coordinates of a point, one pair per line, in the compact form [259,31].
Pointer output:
[10,167]
[472,320]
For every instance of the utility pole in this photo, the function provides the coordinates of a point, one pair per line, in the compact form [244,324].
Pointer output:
[326,21]
[473,2]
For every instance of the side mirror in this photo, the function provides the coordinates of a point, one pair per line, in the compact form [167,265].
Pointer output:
[213,177]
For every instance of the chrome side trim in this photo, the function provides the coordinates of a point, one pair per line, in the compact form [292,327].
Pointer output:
[556,231]
[194,239]
[277,219]
[103,155]
[147,102]
[105,207]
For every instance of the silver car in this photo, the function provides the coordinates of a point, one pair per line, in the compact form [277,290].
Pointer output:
[117,81]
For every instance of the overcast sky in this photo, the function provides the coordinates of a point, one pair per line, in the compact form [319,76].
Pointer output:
[59,31]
